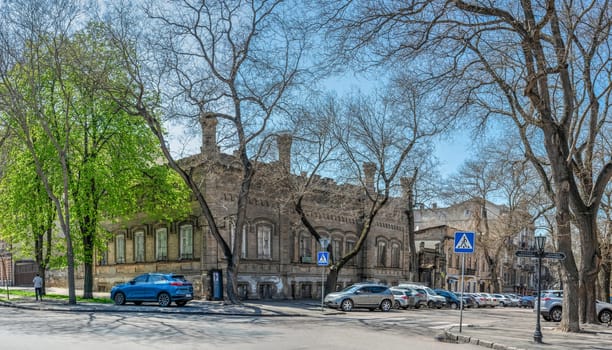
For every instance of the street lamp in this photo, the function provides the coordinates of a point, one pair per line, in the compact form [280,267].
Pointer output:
[540,241]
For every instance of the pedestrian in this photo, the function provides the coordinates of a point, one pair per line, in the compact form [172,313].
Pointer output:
[38,285]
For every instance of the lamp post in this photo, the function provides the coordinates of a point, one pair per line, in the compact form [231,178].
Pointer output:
[540,241]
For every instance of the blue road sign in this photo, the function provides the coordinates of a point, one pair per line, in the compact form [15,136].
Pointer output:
[464,242]
[322,258]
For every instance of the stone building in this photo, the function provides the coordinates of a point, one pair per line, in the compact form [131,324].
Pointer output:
[278,257]
[435,234]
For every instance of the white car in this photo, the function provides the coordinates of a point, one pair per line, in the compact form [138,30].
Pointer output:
[433,299]
[502,300]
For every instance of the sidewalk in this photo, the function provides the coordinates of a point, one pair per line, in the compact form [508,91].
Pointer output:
[520,336]
[484,332]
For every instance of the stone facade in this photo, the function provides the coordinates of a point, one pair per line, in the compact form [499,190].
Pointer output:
[278,257]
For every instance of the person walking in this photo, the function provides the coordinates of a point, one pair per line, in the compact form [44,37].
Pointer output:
[38,285]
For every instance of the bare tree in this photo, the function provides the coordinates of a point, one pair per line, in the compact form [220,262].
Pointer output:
[226,62]
[379,139]
[498,173]
[544,66]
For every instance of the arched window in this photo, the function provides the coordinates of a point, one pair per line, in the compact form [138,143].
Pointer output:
[350,245]
[243,243]
[264,241]
[120,248]
[161,244]
[382,253]
[186,241]
[305,248]
[139,246]
[336,249]
[395,255]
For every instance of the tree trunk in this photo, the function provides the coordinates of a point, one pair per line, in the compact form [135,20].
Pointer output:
[570,321]
[414,257]
[331,280]
[604,281]
[231,286]
[589,267]
[87,232]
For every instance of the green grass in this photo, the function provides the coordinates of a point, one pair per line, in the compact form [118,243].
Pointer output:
[30,294]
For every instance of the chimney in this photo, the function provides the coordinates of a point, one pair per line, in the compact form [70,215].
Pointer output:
[208,122]
[369,169]
[284,142]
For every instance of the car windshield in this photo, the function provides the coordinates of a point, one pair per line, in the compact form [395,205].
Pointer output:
[430,291]
[349,289]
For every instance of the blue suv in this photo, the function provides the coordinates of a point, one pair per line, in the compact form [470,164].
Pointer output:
[163,288]
[451,299]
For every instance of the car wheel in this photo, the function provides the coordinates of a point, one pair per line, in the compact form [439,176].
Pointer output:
[555,314]
[181,303]
[417,305]
[385,305]
[119,298]
[163,299]
[453,306]
[346,305]
[396,305]
[605,316]
[430,304]
[137,302]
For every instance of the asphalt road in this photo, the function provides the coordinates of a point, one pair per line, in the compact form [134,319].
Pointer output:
[23,329]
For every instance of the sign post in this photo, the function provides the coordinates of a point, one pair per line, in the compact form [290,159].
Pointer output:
[323,260]
[464,244]
[539,254]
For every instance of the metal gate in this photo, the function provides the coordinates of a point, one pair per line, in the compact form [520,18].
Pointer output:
[25,270]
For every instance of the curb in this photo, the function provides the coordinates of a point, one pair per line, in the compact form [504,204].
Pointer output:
[450,337]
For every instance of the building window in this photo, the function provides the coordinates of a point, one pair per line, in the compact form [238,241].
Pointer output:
[161,244]
[186,239]
[120,248]
[264,241]
[139,246]
[395,255]
[305,248]
[350,245]
[336,249]
[103,257]
[243,243]
[382,254]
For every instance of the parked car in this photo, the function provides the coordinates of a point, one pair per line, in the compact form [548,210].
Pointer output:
[451,299]
[433,299]
[408,297]
[361,295]
[514,299]
[403,298]
[468,300]
[491,299]
[551,307]
[551,304]
[526,301]
[502,300]
[163,288]
[480,300]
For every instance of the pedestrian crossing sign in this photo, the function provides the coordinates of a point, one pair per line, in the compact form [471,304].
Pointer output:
[464,242]
[322,258]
